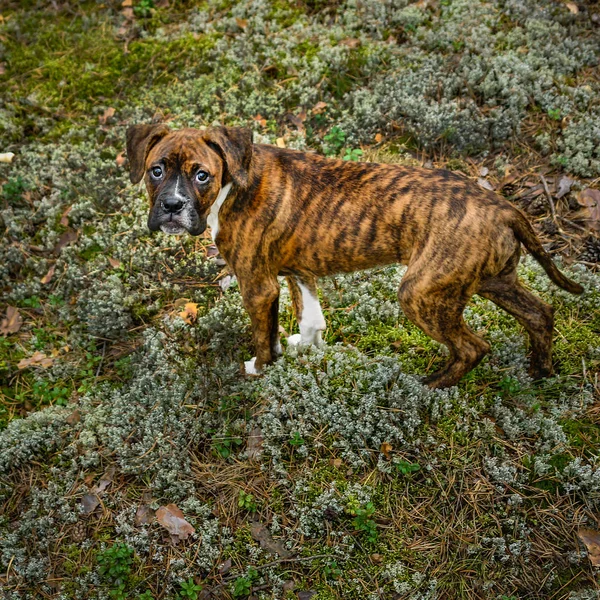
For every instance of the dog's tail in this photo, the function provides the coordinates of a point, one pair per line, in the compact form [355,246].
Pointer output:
[526,235]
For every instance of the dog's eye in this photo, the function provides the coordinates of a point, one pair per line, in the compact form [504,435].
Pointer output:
[156,172]
[202,176]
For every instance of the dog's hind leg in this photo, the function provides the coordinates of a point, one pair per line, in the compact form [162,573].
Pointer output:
[535,315]
[308,311]
[437,309]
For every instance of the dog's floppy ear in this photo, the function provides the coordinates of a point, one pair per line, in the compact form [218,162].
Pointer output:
[234,144]
[140,139]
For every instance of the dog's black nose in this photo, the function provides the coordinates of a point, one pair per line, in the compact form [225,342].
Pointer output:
[172,205]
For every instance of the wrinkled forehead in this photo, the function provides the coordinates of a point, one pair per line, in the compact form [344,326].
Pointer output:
[186,151]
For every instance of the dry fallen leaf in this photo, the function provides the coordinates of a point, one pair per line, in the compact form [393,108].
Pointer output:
[262,535]
[74,418]
[120,160]
[189,312]
[38,359]
[68,237]
[64,218]
[127,3]
[280,142]
[564,186]
[89,503]
[350,42]
[143,515]
[109,113]
[241,23]
[590,200]
[319,107]
[48,276]
[13,321]
[336,462]
[485,184]
[255,444]
[573,7]
[378,138]
[6,157]
[385,449]
[591,540]
[172,519]
[114,263]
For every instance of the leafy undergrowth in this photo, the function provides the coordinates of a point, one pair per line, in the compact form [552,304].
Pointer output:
[336,474]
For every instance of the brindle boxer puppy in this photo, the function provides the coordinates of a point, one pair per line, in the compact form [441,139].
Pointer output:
[282,212]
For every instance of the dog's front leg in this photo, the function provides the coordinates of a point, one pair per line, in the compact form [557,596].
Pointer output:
[308,311]
[261,300]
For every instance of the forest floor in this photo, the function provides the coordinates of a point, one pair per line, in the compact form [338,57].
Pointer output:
[136,459]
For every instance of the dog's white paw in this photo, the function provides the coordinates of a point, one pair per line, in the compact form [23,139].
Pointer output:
[250,368]
[294,340]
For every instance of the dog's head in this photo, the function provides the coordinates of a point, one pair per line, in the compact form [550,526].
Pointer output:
[185,170]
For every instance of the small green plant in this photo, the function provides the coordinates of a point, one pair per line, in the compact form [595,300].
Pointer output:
[353,154]
[13,189]
[115,567]
[363,522]
[406,468]
[51,393]
[143,8]
[242,586]
[331,570]
[225,446]
[334,141]
[510,385]
[246,501]
[190,590]
[147,595]
[297,440]
[555,114]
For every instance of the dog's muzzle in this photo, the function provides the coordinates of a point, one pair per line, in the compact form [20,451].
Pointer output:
[175,215]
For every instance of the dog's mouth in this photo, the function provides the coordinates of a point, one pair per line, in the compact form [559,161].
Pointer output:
[172,227]
[187,221]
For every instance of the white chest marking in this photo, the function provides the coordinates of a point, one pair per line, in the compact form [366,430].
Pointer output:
[312,321]
[213,217]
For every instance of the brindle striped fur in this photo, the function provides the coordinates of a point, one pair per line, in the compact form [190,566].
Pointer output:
[303,216]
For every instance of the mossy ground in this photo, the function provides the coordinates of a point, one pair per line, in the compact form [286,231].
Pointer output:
[368,485]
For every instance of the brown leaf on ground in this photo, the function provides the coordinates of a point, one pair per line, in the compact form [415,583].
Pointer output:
[319,107]
[68,237]
[104,481]
[143,515]
[564,186]
[590,200]
[189,313]
[255,444]
[47,278]
[12,322]
[378,138]
[38,359]
[120,160]
[350,42]
[385,449]
[225,567]
[74,418]
[172,519]
[573,8]
[262,535]
[109,113]
[113,262]
[591,540]
[485,184]
[64,218]
[90,502]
